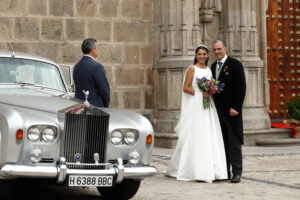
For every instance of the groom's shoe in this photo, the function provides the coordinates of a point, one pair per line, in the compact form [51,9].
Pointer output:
[236,179]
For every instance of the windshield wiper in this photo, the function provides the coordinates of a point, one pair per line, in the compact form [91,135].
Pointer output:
[23,83]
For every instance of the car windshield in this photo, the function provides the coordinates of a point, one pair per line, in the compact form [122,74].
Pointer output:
[30,72]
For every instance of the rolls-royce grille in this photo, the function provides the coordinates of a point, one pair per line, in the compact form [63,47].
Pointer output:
[85,135]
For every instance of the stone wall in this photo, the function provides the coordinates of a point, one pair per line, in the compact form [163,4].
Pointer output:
[123,28]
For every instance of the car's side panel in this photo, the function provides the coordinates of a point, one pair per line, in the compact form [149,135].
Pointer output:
[10,122]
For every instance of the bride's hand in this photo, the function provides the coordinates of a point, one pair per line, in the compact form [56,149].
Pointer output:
[205,94]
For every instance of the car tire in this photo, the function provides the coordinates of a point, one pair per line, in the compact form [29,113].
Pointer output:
[124,190]
[7,188]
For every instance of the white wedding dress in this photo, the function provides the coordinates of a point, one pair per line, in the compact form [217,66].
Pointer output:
[199,153]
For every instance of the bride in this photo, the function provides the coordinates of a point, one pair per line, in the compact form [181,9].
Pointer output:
[199,153]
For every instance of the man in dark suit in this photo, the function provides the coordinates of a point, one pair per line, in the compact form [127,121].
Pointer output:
[89,75]
[229,105]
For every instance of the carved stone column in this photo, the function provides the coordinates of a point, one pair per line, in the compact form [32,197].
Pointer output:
[207,10]
[239,30]
[173,53]
[179,29]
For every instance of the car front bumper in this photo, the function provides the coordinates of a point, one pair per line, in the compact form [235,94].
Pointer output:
[61,171]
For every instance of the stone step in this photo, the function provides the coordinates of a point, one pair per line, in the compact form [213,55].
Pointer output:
[169,140]
[275,142]
[251,136]
[165,140]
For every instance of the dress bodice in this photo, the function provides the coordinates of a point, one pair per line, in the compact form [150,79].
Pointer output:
[200,73]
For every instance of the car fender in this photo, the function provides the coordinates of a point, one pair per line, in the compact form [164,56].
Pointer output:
[10,122]
[126,119]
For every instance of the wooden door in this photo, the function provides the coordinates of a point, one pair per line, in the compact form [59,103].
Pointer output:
[283,41]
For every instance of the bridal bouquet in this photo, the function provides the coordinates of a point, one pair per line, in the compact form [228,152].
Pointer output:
[209,85]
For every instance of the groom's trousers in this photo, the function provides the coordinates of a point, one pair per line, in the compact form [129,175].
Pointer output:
[232,144]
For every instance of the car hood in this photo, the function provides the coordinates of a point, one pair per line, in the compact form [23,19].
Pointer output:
[43,103]
[54,104]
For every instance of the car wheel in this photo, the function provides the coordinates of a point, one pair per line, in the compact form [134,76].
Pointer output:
[124,190]
[7,188]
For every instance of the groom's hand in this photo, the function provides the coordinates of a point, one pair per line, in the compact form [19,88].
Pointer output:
[233,112]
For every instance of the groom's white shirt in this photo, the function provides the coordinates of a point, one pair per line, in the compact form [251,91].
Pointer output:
[218,70]
[223,59]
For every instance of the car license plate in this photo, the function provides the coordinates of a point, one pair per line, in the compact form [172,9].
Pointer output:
[75,180]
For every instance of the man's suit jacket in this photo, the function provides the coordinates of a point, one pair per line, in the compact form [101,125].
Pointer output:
[89,75]
[233,76]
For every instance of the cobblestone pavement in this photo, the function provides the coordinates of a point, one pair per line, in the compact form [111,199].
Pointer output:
[270,173]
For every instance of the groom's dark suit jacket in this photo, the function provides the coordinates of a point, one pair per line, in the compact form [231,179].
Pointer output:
[90,75]
[232,74]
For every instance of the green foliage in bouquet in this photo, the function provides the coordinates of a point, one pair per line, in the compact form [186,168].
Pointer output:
[293,106]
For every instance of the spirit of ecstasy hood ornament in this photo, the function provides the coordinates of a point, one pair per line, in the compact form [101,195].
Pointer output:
[85,108]
[86,102]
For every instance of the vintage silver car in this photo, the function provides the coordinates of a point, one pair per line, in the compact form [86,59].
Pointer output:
[45,133]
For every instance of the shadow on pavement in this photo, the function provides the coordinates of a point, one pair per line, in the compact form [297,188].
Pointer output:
[40,190]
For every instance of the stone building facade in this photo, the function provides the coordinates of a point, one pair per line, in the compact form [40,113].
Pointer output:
[55,29]
[145,46]
[183,25]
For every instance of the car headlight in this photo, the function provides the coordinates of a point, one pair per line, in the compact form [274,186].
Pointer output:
[116,137]
[34,134]
[48,134]
[130,138]
[42,133]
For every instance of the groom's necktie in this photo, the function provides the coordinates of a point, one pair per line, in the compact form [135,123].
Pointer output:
[218,70]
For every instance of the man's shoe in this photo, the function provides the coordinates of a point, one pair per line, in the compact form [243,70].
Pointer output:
[236,179]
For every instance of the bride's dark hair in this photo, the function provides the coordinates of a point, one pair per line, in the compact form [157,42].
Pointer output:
[196,51]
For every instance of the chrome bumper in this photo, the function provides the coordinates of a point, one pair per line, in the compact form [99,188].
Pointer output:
[61,171]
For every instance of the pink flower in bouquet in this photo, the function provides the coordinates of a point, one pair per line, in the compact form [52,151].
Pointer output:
[212,86]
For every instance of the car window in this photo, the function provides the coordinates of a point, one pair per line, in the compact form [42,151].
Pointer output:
[67,72]
[14,70]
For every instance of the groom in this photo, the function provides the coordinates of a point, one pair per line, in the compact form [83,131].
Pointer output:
[229,105]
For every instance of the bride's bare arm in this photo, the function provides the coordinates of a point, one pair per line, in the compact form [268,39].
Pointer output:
[188,81]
